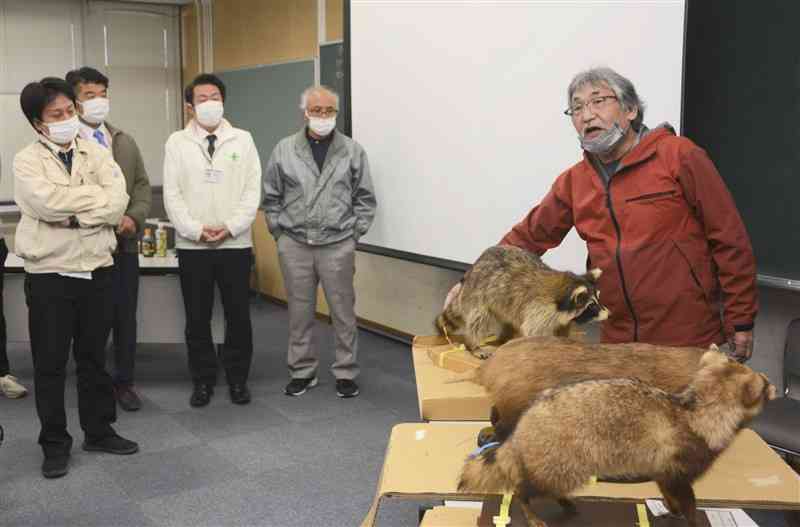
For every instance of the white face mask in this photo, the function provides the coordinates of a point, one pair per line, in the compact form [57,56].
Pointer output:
[321,126]
[209,113]
[95,110]
[63,132]
[604,142]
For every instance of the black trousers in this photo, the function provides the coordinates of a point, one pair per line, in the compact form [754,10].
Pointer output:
[126,300]
[4,367]
[61,309]
[229,270]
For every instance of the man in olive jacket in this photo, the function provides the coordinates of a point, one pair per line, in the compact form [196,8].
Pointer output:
[91,90]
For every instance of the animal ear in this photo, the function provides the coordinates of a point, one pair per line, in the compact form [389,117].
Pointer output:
[595,273]
[712,357]
[755,388]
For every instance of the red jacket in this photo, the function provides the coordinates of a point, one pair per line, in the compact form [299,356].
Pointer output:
[666,234]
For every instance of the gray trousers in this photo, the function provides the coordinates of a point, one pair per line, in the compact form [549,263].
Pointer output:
[304,267]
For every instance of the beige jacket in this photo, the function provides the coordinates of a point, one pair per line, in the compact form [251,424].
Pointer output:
[230,198]
[47,195]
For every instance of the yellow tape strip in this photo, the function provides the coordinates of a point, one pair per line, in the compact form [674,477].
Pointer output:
[445,353]
[487,340]
[504,518]
[641,512]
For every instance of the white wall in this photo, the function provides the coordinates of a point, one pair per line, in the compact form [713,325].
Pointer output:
[460,105]
[37,39]
[137,46]
[41,38]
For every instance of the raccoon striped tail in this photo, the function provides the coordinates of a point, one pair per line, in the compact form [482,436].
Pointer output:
[493,471]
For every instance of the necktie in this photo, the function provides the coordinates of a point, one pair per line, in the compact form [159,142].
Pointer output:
[101,138]
[211,140]
[66,158]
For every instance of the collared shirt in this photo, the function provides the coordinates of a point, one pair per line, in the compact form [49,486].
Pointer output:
[202,134]
[87,132]
[54,147]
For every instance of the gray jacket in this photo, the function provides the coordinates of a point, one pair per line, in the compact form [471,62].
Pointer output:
[318,208]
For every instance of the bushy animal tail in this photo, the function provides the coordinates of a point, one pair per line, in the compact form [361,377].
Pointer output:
[492,471]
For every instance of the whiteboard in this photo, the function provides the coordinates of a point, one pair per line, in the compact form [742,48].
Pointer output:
[459,105]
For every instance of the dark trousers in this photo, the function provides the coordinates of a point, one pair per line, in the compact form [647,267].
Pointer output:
[229,269]
[126,300]
[4,367]
[61,309]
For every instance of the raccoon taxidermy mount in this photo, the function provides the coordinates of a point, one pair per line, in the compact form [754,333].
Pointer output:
[510,292]
[581,430]
[522,369]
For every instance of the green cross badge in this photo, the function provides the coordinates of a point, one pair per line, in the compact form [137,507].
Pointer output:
[234,157]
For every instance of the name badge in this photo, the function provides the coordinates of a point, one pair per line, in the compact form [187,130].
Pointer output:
[213,175]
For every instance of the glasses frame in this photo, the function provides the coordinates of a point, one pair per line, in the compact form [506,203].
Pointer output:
[597,102]
[329,112]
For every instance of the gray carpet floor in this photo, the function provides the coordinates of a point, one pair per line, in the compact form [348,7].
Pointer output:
[310,461]
[283,461]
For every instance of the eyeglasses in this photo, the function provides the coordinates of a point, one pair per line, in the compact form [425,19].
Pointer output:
[319,111]
[594,104]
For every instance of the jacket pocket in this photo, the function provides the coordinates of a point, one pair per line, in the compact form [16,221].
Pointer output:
[699,267]
[292,213]
[101,243]
[652,196]
[27,243]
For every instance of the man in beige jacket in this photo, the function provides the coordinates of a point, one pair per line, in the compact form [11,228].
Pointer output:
[71,195]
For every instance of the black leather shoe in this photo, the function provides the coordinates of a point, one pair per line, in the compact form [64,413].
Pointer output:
[239,394]
[112,445]
[201,395]
[55,466]
[127,397]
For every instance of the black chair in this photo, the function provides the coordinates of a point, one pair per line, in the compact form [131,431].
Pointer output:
[779,423]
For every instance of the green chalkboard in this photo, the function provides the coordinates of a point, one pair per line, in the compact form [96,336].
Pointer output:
[742,104]
[331,74]
[265,101]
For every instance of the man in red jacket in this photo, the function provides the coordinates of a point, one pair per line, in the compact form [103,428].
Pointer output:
[657,219]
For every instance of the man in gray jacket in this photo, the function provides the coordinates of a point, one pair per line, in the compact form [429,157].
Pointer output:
[318,200]
[91,92]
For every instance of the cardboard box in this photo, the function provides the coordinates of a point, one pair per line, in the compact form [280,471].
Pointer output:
[451,517]
[453,359]
[438,400]
[423,461]
[589,514]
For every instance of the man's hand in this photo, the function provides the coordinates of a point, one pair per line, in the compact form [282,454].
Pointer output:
[126,227]
[742,345]
[452,295]
[218,237]
[208,233]
[214,235]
